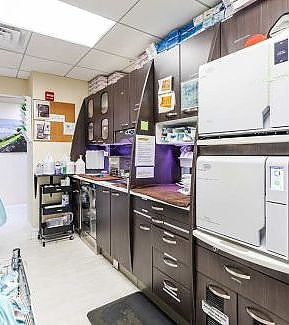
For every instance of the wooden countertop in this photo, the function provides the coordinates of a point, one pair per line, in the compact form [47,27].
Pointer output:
[167,193]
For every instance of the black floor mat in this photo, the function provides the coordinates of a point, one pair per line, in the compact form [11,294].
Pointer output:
[134,309]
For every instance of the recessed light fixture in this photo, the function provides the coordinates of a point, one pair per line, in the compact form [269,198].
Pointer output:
[56,19]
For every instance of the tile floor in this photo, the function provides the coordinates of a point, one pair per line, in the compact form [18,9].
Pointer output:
[66,278]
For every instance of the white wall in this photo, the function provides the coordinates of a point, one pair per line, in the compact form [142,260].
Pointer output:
[13,178]
[14,86]
[68,91]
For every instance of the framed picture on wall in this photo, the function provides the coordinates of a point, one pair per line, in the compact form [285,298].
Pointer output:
[41,110]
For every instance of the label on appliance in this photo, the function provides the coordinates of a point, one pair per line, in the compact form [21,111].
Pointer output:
[277,178]
[214,313]
[281,52]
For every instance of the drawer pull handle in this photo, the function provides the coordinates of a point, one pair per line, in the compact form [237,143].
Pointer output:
[171,114]
[105,192]
[144,228]
[169,241]
[237,274]
[219,292]
[59,210]
[144,210]
[172,295]
[253,314]
[157,221]
[169,263]
[170,287]
[115,194]
[169,234]
[124,124]
[157,208]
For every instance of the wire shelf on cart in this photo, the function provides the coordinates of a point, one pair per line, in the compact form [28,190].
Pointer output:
[23,292]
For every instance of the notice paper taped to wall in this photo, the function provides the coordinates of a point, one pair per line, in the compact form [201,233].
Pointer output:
[145,150]
[167,102]
[145,172]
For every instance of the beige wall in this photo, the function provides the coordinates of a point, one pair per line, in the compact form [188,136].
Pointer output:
[13,86]
[66,90]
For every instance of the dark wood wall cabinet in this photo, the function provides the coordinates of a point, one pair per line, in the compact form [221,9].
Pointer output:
[245,295]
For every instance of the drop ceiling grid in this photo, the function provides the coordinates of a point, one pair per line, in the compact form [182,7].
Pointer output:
[126,26]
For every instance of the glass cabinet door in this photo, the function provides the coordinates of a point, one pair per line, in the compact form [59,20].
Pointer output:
[90,108]
[104,102]
[90,131]
[104,129]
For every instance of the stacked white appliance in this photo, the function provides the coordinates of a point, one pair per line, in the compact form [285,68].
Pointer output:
[244,199]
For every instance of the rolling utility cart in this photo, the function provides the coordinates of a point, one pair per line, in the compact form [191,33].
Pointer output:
[55,219]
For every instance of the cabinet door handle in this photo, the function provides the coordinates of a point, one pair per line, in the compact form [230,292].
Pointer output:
[157,221]
[136,105]
[100,141]
[253,314]
[133,122]
[170,287]
[144,228]
[124,124]
[59,210]
[115,194]
[75,191]
[171,294]
[171,114]
[58,189]
[190,110]
[169,263]
[236,273]
[136,109]
[219,292]
[157,208]
[169,241]
[105,192]
[144,210]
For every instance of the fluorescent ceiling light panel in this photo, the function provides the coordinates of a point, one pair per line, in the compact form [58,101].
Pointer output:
[56,19]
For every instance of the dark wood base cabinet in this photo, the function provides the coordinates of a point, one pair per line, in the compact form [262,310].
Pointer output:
[142,250]
[120,228]
[246,296]
[103,219]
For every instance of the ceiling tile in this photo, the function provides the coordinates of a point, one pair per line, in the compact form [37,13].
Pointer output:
[107,8]
[23,74]
[31,63]
[54,49]
[125,41]
[104,62]
[6,72]
[165,16]
[9,59]
[83,73]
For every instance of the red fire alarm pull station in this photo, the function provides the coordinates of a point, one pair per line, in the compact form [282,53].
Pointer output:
[49,95]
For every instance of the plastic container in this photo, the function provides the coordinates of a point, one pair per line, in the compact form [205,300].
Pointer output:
[80,166]
[48,166]
[57,168]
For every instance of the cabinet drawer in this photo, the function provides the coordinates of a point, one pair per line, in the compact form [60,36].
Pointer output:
[251,314]
[167,211]
[217,296]
[173,267]
[141,205]
[173,294]
[267,292]
[172,244]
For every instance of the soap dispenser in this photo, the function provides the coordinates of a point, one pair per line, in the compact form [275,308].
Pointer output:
[80,166]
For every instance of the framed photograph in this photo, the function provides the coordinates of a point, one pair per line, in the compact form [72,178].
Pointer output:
[41,110]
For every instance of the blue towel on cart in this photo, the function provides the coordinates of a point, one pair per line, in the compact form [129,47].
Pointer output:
[6,312]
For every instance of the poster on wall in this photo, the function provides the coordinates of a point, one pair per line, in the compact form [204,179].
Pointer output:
[12,128]
[41,110]
[165,85]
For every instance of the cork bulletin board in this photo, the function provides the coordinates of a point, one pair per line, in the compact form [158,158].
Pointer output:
[53,121]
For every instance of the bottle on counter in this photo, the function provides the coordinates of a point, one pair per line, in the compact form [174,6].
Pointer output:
[48,166]
[57,168]
[80,166]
